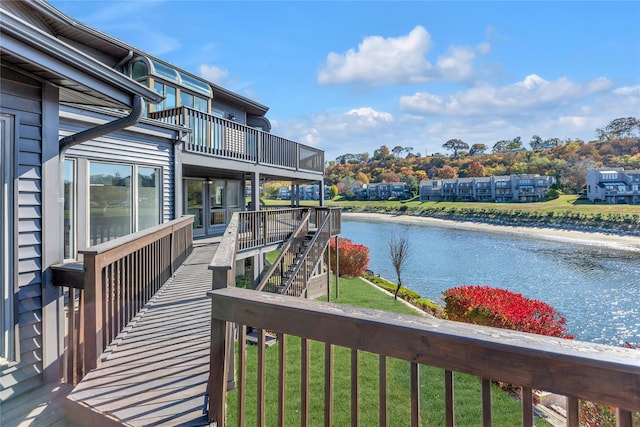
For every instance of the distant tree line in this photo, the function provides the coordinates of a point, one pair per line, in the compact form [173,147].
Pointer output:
[618,145]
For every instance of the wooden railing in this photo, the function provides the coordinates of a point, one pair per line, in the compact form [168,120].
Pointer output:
[215,136]
[256,229]
[114,282]
[273,279]
[579,370]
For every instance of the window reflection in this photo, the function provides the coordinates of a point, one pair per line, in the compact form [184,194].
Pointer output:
[109,201]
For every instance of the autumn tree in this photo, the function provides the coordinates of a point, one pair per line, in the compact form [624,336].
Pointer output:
[477,149]
[362,177]
[447,172]
[399,255]
[455,145]
[475,169]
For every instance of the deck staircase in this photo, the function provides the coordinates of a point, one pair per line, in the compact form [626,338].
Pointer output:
[299,260]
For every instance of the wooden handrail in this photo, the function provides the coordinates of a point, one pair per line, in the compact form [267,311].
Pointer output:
[119,277]
[593,372]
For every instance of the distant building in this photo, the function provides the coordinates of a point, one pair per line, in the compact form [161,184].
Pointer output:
[507,188]
[613,185]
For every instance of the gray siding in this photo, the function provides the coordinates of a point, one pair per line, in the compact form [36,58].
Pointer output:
[22,97]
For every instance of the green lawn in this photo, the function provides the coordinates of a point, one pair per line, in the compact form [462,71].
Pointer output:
[565,203]
[506,411]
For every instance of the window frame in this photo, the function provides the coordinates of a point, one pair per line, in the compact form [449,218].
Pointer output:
[9,348]
[133,195]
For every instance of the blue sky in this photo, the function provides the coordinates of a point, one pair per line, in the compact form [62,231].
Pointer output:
[348,77]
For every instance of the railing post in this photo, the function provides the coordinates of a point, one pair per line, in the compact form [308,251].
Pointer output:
[93,312]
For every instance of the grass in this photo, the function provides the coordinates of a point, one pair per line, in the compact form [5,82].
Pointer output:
[505,410]
[559,206]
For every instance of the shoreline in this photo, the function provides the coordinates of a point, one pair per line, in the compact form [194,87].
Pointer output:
[598,239]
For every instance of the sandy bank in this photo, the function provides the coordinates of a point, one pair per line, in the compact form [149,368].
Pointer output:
[613,241]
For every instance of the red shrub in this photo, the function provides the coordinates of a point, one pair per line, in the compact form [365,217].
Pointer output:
[501,308]
[353,258]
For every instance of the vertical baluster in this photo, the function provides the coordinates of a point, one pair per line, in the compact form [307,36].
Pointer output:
[486,402]
[382,391]
[355,410]
[527,407]
[415,394]
[304,382]
[573,412]
[328,385]
[261,380]
[624,418]
[282,377]
[242,373]
[448,397]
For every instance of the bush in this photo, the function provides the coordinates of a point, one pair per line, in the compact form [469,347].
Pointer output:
[353,258]
[500,308]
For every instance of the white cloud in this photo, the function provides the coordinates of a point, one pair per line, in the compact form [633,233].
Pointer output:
[532,93]
[382,61]
[533,106]
[214,74]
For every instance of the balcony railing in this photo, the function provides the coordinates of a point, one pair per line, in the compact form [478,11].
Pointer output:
[116,279]
[218,137]
[578,370]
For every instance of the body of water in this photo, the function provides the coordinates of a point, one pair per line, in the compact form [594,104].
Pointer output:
[597,289]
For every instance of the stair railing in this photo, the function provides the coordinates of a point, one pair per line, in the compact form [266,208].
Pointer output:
[297,283]
[272,279]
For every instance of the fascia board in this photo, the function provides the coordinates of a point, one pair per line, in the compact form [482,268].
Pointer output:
[34,45]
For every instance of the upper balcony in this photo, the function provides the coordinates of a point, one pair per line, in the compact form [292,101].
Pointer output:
[243,146]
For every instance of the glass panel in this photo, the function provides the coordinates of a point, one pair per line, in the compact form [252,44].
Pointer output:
[109,201]
[149,197]
[194,202]
[139,69]
[164,71]
[217,203]
[186,99]
[69,210]
[195,84]
[201,104]
[216,194]
[234,196]
[170,97]
[158,88]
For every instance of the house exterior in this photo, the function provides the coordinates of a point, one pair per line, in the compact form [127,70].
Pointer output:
[101,140]
[613,185]
[511,188]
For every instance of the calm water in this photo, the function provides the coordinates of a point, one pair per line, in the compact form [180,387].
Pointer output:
[597,289]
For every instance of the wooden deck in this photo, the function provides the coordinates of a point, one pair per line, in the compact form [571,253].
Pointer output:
[157,373]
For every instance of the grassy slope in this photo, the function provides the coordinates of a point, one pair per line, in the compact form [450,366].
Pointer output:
[506,411]
[565,203]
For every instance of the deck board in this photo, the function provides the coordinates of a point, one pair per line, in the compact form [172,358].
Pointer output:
[157,373]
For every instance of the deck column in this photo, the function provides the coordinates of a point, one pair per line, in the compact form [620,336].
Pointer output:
[255,191]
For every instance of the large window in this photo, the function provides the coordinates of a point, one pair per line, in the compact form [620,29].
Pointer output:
[7,263]
[113,190]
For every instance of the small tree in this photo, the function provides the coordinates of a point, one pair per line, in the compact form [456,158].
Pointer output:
[399,253]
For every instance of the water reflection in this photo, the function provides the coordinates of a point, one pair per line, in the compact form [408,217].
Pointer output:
[598,289]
